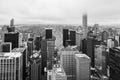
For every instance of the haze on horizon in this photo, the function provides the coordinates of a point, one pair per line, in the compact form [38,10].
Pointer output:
[59,11]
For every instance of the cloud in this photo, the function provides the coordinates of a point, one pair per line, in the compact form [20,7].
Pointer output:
[59,11]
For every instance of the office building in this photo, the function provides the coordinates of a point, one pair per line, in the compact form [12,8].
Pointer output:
[30,48]
[90,50]
[105,36]
[6,46]
[50,52]
[38,43]
[35,66]
[48,33]
[11,66]
[101,59]
[13,38]
[79,38]
[67,59]
[43,56]
[58,73]
[84,20]
[12,22]
[82,67]
[84,46]
[23,51]
[65,36]
[11,29]
[73,37]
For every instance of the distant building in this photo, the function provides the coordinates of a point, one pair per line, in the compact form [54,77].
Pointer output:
[38,43]
[11,66]
[85,26]
[12,22]
[82,67]
[30,48]
[65,36]
[48,33]
[84,20]
[73,37]
[79,37]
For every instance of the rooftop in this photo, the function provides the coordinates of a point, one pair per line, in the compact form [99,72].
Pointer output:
[9,54]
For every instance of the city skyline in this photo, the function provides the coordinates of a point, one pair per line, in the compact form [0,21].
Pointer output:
[59,11]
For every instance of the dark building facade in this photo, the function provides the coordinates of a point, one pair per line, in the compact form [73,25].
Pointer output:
[13,38]
[48,33]
[43,56]
[65,36]
[73,37]
[38,43]
[6,47]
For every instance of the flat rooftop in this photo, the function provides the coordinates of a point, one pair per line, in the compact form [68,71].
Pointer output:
[9,55]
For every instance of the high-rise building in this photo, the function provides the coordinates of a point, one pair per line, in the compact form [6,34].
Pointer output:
[6,46]
[90,50]
[23,51]
[30,48]
[11,66]
[43,56]
[50,52]
[84,20]
[67,59]
[13,38]
[105,36]
[85,26]
[48,33]
[82,67]
[79,37]
[73,37]
[11,29]
[12,22]
[101,59]
[65,36]
[38,43]
[35,66]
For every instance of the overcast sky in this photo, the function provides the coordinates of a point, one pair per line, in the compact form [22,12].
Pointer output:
[60,11]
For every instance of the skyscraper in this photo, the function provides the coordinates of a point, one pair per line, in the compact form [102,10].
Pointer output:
[84,19]
[35,67]
[73,37]
[82,67]
[12,22]
[65,36]
[13,38]
[43,56]
[67,59]
[6,46]
[84,24]
[24,59]
[48,33]
[50,52]
[38,42]
[11,66]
